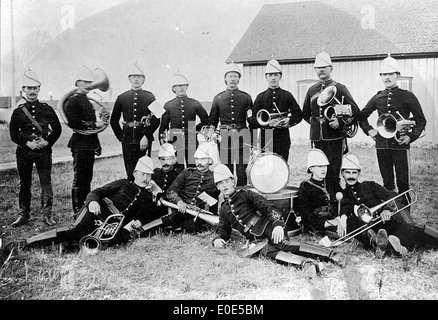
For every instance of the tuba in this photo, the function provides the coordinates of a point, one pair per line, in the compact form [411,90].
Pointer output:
[388,126]
[371,217]
[100,82]
[338,110]
[92,243]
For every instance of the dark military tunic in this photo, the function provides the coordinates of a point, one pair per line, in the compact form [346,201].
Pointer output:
[230,108]
[238,210]
[189,184]
[164,179]
[81,115]
[285,102]
[23,130]
[133,106]
[391,154]
[314,114]
[316,204]
[391,102]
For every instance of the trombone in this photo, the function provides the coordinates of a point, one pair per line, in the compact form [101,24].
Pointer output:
[367,215]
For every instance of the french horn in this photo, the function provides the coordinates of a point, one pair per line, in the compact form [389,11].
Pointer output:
[100,82]
[337,110]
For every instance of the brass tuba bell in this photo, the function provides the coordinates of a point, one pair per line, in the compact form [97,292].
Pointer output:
[100,82]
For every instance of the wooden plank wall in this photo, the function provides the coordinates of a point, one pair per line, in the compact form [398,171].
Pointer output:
[363,80]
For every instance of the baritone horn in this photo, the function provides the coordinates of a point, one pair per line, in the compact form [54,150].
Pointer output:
[100,82]
[92,243]
[388,126]
[370,218]
[337,110]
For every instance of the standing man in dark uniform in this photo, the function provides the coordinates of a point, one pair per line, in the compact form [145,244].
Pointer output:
[328,135]
[232,108]
[139,124]
[179,119]
[276,100]
[35,128]
[393,153]
[134,200]
[81,115]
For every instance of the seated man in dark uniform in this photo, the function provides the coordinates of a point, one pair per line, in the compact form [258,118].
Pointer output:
[134,200]
[256,218]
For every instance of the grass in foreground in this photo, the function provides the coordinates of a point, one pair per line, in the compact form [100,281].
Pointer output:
[186,267]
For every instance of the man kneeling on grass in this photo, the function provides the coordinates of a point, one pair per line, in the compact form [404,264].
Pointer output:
[256,218]
[134,200]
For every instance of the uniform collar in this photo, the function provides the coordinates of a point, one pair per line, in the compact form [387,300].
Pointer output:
[392,89]
[326,82]
[232,90]
[274,89]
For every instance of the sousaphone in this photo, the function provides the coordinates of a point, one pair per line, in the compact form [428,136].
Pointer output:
[100,82]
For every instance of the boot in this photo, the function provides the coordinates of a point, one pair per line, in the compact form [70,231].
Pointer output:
[431,235]
[338,258]
[381,243]
[42,239]
[23,218]
[47,211]
[76,200]
[396,245]
[309,267]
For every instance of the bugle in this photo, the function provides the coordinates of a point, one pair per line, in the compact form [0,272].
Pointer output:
[368,216]
[92,243]
[196,212]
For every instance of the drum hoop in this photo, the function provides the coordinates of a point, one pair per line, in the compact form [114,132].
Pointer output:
[266,154]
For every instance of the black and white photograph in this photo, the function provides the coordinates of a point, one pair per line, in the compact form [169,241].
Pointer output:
[214,158]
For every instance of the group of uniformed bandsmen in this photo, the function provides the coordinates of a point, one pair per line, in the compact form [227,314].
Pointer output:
[201,181]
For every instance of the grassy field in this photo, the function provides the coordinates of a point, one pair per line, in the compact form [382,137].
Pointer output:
[186,267]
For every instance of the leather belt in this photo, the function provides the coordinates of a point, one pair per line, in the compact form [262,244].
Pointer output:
[131,124]
[319,119]
[232,126]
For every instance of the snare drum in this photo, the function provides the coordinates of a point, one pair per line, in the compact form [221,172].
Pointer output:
[268,173]
[283,200]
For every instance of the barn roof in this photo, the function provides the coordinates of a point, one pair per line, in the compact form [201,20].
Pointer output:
[346,29]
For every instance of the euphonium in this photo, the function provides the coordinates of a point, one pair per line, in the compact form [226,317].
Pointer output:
[101,82]
[92,243]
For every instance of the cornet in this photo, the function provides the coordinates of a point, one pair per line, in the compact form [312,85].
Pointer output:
[264,117]
[370,218]
[388,126]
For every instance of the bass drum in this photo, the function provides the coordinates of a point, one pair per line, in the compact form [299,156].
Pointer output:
[268,173]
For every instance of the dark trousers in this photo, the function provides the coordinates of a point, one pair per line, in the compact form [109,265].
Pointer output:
[390,160]
[131,154]
[334,150]
[278,146]
[83,163]
[43,163]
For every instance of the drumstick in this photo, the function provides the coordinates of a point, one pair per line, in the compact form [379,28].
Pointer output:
[339,197]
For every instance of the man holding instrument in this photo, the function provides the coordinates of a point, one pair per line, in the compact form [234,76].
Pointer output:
[396,219]
[134,200]
[35,128]
[257,219]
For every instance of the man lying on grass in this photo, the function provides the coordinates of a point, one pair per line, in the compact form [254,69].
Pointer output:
[256,218]
[134,200]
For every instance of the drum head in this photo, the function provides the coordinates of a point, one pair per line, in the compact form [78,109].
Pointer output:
[269,173]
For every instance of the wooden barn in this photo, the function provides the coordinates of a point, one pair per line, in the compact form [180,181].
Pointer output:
[358,35]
